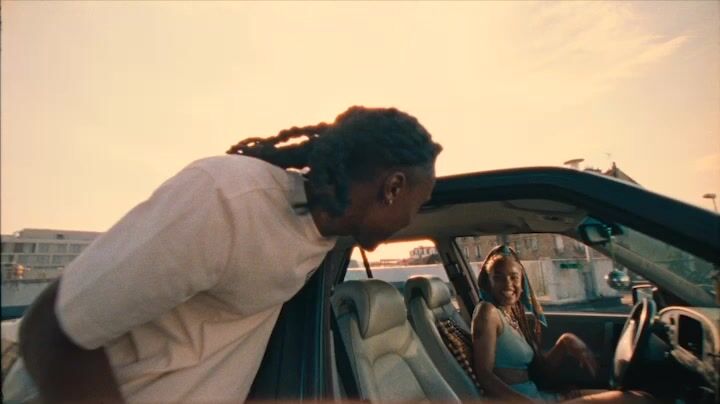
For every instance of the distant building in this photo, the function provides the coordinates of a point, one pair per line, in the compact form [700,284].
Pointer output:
[614,171]
[422,252]
[38,254]
[528,246]
[388,262]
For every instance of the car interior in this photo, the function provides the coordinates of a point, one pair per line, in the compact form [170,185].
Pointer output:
[428,304]
[431,311]
[428,299]
[383,344]
[386,355]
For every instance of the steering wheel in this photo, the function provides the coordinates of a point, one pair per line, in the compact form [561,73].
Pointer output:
[633,341]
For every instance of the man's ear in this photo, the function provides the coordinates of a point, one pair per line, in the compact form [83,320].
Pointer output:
[395,183]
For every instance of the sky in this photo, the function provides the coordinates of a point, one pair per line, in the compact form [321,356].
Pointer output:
[102,101]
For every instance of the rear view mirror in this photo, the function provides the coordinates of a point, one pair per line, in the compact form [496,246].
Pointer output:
[595,232]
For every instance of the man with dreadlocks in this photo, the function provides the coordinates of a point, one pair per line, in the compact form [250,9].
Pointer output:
[177,301]
[505,346]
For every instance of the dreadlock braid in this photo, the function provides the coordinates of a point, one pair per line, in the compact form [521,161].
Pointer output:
[531,334]
[361,142]
[286,156]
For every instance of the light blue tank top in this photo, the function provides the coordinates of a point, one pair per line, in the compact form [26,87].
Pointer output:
[511,349]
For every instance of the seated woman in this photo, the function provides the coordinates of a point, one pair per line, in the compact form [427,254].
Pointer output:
[505,346]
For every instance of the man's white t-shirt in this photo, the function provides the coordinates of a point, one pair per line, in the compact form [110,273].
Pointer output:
[184,291]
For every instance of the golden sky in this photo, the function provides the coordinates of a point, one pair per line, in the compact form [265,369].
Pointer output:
[102,101]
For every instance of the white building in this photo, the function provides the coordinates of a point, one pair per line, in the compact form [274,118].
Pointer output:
[422,252]
[39,254]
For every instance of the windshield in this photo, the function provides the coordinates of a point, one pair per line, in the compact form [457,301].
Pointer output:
[675,269]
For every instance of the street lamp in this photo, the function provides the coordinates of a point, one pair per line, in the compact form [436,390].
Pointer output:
[711,196]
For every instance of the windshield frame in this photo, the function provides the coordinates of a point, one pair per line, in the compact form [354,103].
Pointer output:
[684,226]
[665,278]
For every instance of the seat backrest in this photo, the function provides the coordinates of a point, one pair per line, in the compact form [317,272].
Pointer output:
[429,303]
[388,360]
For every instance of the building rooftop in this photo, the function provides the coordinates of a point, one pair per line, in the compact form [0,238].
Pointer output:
[46,234]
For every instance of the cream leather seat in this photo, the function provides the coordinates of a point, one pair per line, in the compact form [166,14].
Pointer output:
[388,360]
[429,301]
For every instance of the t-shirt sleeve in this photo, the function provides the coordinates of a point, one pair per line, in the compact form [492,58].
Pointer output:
[159,255]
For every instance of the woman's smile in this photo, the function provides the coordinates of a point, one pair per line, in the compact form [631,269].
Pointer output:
[509,296]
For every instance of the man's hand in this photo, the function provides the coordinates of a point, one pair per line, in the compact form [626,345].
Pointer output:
[62,371]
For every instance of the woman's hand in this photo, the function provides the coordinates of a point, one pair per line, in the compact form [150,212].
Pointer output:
[576,348]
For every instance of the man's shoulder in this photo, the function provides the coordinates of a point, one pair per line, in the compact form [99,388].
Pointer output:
[224,163]
[239,174]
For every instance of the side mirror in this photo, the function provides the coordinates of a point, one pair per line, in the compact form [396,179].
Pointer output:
[643,291]
[618,280]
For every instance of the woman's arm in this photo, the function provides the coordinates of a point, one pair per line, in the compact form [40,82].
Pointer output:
[485,329]
[62,371]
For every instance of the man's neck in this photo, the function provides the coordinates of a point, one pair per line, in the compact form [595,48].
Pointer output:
[327,225]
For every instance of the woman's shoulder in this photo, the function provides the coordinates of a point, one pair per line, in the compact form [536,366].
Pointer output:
[485,314]
[485,308]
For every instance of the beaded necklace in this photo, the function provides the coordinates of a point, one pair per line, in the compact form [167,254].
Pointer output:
[511,320]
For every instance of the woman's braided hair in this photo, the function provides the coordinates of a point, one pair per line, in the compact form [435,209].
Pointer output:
[532,334]
[357,146]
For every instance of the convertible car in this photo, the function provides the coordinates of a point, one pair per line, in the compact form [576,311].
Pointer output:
[647,266]
[344,338]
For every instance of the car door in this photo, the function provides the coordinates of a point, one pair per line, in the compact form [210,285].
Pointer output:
[298,359]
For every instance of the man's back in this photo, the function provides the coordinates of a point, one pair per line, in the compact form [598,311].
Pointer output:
[184,291]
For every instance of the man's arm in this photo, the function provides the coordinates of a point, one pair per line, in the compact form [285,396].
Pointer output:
[63,371]
[159,255]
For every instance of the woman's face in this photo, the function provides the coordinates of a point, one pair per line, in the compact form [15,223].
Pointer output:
[505,281]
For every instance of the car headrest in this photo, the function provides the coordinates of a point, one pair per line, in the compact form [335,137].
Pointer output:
[379,306]
[433,290]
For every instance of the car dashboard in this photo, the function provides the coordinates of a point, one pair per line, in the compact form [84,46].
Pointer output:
[692,345]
